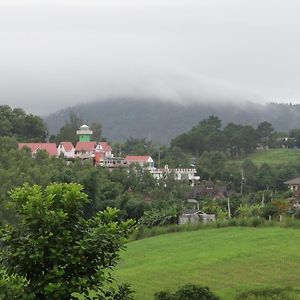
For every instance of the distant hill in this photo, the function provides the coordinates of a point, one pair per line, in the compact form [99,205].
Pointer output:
[161,121]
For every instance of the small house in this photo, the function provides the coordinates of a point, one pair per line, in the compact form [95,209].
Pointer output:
[67,149]
[194,216]
[294,185]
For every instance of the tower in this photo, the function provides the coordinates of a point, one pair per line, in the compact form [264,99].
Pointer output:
[84,133]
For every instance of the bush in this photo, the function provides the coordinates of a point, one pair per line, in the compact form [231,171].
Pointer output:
[256,222]
[164,296]
[188,292]
[269,294]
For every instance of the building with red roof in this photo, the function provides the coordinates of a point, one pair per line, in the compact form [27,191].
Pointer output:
[85,149]
[105,148]
[50,148]
[67,149]
[144,161]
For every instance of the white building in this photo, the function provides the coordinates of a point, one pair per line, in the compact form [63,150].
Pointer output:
[67,149]
[145,161]
[179,174]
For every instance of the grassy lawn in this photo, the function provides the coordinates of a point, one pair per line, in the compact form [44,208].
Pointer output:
[228,260]
[272,156]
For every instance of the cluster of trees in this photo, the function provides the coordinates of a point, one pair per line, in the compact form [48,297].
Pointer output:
[131,190]
[234,139]
[24,127]
[261,204]
[215,166]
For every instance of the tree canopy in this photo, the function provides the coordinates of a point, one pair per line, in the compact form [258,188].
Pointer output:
[24,127]
[57,250]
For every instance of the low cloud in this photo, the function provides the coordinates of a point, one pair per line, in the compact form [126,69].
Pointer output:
[55,54]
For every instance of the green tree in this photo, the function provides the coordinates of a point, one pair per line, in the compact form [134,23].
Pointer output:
[265,178]
[24,127]
[211,164]
[138,146]
[206,135]
[56,249]
[249,172]
[68,131]
[264,131]
[96,127]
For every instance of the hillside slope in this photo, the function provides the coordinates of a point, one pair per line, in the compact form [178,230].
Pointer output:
[161,121]
[228,260]
[271,157]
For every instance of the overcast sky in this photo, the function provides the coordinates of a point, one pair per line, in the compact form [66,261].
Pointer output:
[59,53]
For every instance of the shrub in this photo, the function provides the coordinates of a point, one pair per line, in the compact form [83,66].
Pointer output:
[164,296]
[188,292]
[268,294]
[232,222]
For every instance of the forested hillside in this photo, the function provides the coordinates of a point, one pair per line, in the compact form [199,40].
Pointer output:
[161,121]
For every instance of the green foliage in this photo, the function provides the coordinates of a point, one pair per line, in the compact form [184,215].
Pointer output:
[214,207]
[240,139]
[188,292]
[264,131]
[160,217]
[96,127]
[54,247]
[234,139]
[24,127]
[13,286]
[205,136]
[68,131]
[138,146]
[211,164]
[248,211]
[249,173]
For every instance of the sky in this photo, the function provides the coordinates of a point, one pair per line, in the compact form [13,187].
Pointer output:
[58,53]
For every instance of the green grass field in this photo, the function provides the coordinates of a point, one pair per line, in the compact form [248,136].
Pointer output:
[272,157]
[228,260]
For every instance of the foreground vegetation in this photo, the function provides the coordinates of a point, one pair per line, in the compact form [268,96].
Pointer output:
[228,260]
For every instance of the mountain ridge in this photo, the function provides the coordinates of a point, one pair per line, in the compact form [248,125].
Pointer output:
[160,121]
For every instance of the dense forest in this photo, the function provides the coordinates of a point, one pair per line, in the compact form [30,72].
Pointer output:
[208,146]
[161,121]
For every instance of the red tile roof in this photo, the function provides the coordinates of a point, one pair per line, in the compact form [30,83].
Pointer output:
[105,146]
[85,146]
[34,147]
[137,158]
[67,146]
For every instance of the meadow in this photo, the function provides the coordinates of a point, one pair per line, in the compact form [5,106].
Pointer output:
[228,260]
[271,157]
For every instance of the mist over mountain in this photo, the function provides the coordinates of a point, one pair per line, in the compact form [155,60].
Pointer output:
[160,121]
